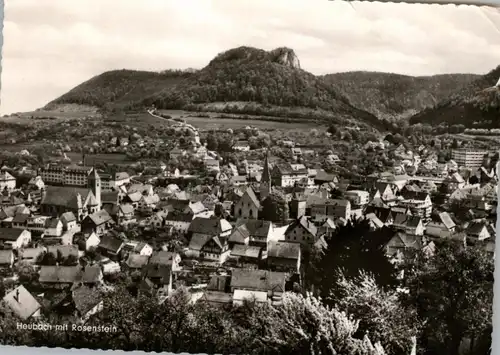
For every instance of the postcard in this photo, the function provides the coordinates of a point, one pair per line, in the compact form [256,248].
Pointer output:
[249,177]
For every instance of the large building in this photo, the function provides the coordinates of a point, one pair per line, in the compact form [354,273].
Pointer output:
[55,174]
[469,158]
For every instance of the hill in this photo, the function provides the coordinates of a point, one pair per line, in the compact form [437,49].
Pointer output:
[477,105]
[117,88]
[269,82]
[394,96]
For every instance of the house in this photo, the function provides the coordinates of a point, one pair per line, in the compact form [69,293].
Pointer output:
[140,248]
[20,221]
[384,191]
[218,291]
[179,221]
[239,236]
[418,202]
[401,243]
[160,276]
[147,204]
[31,255]
[86,241]
[209,239]
[126,214]
[440,226]
[7,181]
[98,222]
[136,261]
[302,230]
[166,258]
[111,246]
[241,146]
[375,222]
[478,231]
[261,285]
[66,276]
[212,164]
[22,303]
[14,238]
[260,231]
[120,179]
[68,220]
[284,256]
[248,206]
[157,220]
[246,254]
[88,302]
[409,224]
[331,208]
[6,259]
[287,175]
[36,183]
[239,180]
[357,197]
[53,228]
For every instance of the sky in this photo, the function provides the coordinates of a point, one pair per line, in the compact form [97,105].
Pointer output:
[51,46]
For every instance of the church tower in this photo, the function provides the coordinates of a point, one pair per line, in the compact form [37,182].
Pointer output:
[265,181]
[94,184]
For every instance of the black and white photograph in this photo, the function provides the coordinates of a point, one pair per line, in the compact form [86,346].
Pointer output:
[249,177]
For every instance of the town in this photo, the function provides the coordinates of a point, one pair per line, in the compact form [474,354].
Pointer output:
[73,231]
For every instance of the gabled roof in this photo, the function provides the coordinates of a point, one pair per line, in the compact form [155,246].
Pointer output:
[60,274]
[6,257]
[160,273]
[247,251]
[256,227]
[21,302]
[10,234]
[5,176]
[110,243]
[261,280]
[283,250]
[163,257]
[100,217]
[250,195]
[86,298]
[109,197]
[475,228]
[209,226]
[127,208]
[68,217]
[304,223]
[239,235]
[20,218]
[136,261]
[64,196]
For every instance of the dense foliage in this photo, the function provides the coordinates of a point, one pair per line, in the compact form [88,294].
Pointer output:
[395,96]
[300,325]
[453,293]
[120,87]
[475,106]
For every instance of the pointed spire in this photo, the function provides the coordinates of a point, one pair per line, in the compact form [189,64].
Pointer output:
[266,174]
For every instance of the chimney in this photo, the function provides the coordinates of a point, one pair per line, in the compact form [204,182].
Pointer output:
[16,295]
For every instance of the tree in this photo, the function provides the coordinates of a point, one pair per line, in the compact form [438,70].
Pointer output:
[380,313]
[275,208]
[454,144]
[301,325]
[352,248]
[453,292]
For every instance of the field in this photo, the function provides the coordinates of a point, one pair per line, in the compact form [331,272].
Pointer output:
[214,121]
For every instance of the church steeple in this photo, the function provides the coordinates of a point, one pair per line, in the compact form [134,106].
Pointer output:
[94,183]
[265,181]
